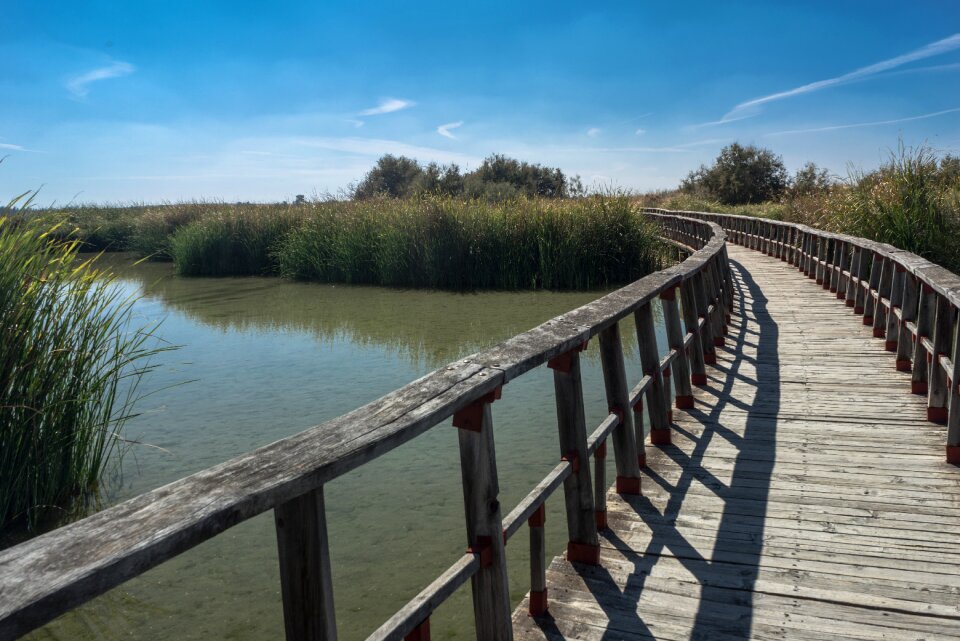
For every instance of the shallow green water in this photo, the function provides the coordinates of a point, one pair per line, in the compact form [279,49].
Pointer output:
[266,359]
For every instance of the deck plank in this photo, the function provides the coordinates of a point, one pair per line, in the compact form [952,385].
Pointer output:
[803,497]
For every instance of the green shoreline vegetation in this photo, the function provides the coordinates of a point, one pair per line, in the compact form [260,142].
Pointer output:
[70,364]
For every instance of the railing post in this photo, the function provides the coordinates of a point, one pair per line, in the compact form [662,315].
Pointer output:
[908,313]
[883,291]
[937,391]
[861,293]
[306,582]
[671,318]
[870,298]
[896,303]
[698,372]
[822,251]
[925,318]
[478,468]
[703,310]
[843,265]
[538,562]
[857,257]
[660,418]
[625,452]
[953,418]
[584,544]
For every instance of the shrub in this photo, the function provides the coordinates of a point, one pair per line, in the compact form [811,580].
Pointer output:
[740,175]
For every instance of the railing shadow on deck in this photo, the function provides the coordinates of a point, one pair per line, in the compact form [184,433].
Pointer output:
[728,570]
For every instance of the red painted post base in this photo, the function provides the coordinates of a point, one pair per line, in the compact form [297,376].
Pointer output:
[819,281]
[953,454]
[684,402]
[937,415]
[890,346]
[858,309]
[710,358]
[419,633]
[601,517]
[538,603]
[841,295]
[868,320]
[660,437]
[698,379]
[833,290]
[879,332]
[904,365]
[719,341]
[849,303]
[630,485]
[918,387]
[583,553]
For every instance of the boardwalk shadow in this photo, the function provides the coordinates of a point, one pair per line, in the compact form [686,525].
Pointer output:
[722,553]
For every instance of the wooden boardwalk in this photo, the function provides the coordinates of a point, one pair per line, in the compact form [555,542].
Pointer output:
[804,497]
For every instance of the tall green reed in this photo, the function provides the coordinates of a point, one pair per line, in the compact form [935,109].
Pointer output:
[70,365]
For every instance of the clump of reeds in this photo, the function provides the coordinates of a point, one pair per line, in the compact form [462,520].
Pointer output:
[70,363]
[461,244]
[231,241]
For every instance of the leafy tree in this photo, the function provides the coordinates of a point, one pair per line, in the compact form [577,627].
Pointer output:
[810,179]
[439,179]
[391,176]
[950,170]
[526,178]
[740,174]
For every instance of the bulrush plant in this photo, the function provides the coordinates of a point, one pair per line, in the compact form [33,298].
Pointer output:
[70,366]
[467,244]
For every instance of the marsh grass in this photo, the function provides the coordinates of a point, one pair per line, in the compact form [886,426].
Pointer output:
[463,245]
[70,366]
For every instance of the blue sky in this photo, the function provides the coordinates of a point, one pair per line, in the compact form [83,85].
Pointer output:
[147,101]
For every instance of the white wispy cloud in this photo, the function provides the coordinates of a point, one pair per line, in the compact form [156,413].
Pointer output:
[927,51]
[444,130]
[378,147]
[640,132]
[388,105]
[593,132]
[875,123]
[79,85]
[6,145]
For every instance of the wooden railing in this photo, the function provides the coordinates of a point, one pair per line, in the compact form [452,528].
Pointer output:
[911,303]
[62,569]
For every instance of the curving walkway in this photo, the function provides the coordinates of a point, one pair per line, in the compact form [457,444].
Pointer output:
[804,497]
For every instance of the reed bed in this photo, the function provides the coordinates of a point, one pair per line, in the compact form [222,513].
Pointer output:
[467,245]
[70,365]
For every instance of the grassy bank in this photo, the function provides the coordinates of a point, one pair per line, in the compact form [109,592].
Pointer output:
[69,366]
[912,202]
[430,241]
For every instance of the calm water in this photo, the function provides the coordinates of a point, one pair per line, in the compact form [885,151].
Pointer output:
[262,359]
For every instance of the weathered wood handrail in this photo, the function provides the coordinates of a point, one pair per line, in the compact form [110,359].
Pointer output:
[62,569]
[911,303]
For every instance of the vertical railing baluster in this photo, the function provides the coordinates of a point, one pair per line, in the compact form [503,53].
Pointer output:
[884,287]
[583,543]
[681,380]
[538,562]
[843,265]
[936,377]
[650,362]
[306,582]
[908,314]
[481,506]
[896,304]
[861,293]
[703,307]
[870,299]
[925,318]
[856,259]
[625,454]
[953,417]
[698,371]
